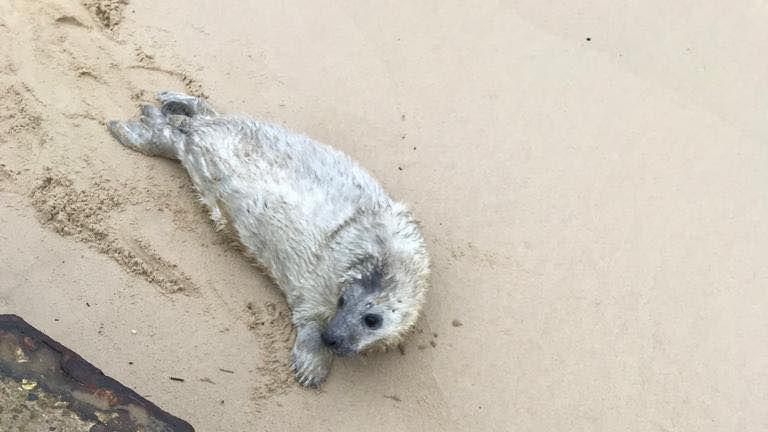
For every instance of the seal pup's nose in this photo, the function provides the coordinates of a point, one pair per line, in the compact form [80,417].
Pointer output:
[332,340]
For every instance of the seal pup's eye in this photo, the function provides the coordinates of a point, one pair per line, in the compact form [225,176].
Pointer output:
[372,321]
[341,302]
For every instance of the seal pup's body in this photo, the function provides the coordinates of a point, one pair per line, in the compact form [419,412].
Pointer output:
[350,261]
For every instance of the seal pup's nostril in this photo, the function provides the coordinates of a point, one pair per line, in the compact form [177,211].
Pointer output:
[331,341]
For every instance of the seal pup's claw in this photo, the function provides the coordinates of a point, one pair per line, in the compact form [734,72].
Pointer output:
[309,370]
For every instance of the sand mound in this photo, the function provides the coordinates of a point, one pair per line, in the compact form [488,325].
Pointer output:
[16,116]
[108,13]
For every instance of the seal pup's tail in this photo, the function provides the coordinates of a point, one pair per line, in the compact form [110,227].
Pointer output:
[162,132]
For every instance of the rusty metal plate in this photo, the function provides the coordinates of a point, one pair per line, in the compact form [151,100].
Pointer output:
[46,387]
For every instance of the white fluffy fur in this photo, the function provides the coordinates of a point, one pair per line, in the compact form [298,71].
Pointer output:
[312,217]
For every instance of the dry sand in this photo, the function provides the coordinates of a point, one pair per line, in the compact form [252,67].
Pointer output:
[591,180]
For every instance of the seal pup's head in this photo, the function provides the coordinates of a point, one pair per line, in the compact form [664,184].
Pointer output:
[383,286]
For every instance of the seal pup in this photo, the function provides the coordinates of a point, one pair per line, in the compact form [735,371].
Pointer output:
[350,261]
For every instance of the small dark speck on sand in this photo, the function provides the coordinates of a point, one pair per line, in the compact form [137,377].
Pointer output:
[457,323]
[393,397]
[589,39]
[176,379]
[402,117]
[433,343]
[226,370]
[399,168]
[207,380]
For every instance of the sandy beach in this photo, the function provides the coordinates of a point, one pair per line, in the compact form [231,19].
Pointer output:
[591,181]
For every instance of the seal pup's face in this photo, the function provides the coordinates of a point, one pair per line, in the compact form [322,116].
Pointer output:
[373,309]
[383,287]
